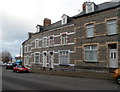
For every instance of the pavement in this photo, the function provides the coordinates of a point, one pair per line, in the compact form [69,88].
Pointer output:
[79,74]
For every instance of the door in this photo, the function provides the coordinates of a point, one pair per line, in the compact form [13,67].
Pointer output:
[113,58]
[44,59]
[51,60]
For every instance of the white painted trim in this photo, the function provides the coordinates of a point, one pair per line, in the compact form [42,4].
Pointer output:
[72,64]
[71,33]
[56,64]
[72,51]
[36,42]
[40,39]
[31,45]
[56,52]
[57,44]
[64,19]
[43,42]
[70,43]
[87,7]
[56,36]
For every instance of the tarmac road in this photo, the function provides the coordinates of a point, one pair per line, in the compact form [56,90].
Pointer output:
[31,81]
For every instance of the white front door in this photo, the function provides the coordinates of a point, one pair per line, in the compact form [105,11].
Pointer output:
[44,59]
[51,60]
[113,58]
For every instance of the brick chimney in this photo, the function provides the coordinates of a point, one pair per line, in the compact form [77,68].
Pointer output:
[84,6]
[47,22]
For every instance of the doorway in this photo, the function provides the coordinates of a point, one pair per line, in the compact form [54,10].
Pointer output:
[113,56]
[51,60]
[44,59]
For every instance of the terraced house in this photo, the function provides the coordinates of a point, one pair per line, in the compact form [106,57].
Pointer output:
[90,39]
[51,45]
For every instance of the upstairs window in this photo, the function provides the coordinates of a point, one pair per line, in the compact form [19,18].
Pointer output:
[64,39]
[64,19]
[111,27]
[90,30]
[33,44]
[36,43]
[29,48]
[25,48]
[89,7]
[51,41]
[40,43]
[44,42]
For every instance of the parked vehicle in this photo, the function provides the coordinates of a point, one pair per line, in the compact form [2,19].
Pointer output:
[4,64]
[10,66]
[20,68]
[116,75]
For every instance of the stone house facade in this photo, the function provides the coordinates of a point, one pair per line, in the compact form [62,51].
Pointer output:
[97,37]
[52,45]
[89,39]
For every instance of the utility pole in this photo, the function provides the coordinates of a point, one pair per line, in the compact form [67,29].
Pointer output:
[20,53]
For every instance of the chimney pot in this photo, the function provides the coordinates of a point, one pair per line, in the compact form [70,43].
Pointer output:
[47,22]
[84,6]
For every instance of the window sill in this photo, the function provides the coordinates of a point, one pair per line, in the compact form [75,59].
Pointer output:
[91,61]
[63,65]
[90,37]
[111,34]
[50,46]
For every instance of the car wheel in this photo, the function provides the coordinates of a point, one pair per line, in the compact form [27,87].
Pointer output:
[17,71]
[118,80]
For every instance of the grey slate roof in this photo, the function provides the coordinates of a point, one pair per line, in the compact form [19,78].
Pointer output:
[56,25]
[100,7]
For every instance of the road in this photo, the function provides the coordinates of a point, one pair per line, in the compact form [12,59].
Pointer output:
[30,81]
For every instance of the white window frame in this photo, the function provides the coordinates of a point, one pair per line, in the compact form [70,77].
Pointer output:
[40,43]
[111,22]
[91,50]
[51,45]
[44,42]
[88,28]
[68,62]
[65,42]
[33,44]
[29,47]
[92,5]
[64,19]
[37,28]
[36,43]
[39,58]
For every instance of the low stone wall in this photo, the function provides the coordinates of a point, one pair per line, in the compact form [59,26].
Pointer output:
[95,67]
[79,74]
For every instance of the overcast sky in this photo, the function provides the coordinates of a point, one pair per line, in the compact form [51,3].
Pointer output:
[21,16]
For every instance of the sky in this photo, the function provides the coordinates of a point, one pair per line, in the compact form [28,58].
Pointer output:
[18,17]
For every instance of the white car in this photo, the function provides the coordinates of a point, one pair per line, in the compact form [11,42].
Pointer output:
[1,63]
